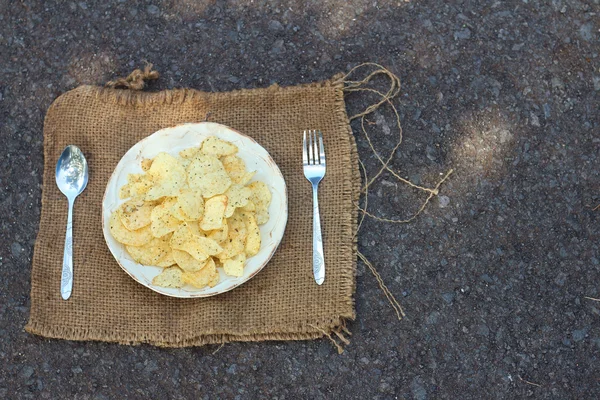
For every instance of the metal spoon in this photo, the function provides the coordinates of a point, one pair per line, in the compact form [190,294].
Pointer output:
[71,179]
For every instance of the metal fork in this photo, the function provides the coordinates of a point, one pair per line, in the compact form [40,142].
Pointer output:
[313,159]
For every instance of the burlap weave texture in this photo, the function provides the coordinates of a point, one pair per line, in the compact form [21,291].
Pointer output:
[281,303]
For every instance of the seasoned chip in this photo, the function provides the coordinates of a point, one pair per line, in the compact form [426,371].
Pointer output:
[194,226]
[236,241]
[176,212]
[186,262]
[236,169]
[206,174]
[220,235]
[167,260]
[253,239]
[203,277]
[213,282]
[249,207]
[170,278]
[182,234]
[191,204]
[246,177]
[231,248]
[146,164]
[214,209]
[135,213]
[164,165]
[185,163]
[137,186]
[164,188]
[152,252]
[237,196]
[168,177]
[163,221]
[214,146]
[237,226]
[190,152]
[197,246]
[261,197]
[123,235]
[235,265]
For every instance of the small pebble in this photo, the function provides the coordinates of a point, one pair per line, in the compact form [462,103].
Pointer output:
[579,335]
[444,201]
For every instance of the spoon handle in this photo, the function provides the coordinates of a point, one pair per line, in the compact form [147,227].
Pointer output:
[66,279]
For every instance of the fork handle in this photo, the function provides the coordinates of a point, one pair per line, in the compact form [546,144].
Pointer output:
[318,258]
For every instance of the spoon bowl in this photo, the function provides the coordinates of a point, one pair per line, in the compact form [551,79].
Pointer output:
[71,172]
[71,179]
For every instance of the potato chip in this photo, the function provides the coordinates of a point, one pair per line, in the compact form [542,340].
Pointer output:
[187,155]
[164,188]
[249,207]
[246,177]
[191,204]
[214,209]
[176,212]
[170,278]
[194,226]
[235,265]
[123,235]
[182,234]
[237,226]
[206,174]
[236,169]
[214,146]
[203,277]
[167,260]
[190,152]
[261,197]
[152,252]
[231,248]
[168,177]
[146,164]
[185,163]
[253,239]
[237,196]
[221,234]
[135,213]
[186,262]
[197,246]
[215,280]
[163,221]
[236,241]
[137,186]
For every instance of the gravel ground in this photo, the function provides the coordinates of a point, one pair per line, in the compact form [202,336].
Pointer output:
[493,276]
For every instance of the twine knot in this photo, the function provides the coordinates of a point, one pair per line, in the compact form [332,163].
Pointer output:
[136,80]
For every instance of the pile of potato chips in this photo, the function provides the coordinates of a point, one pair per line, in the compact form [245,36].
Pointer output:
[192,214]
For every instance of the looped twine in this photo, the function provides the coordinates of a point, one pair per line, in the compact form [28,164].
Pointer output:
[385,98]
[136,80]
[351,86]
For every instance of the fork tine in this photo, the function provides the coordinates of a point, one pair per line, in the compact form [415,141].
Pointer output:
[309,146]
[315,148]
[321,149]
[304,150]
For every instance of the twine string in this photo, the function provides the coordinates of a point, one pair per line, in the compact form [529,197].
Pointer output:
[353,86]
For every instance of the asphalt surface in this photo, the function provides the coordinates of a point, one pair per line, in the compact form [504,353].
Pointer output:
[495,277]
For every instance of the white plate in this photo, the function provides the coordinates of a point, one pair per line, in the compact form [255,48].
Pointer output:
[172,141]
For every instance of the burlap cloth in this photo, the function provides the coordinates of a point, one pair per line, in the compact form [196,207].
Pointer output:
[282,302]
